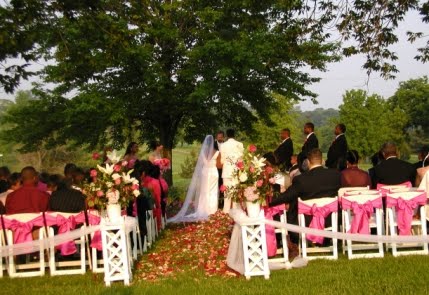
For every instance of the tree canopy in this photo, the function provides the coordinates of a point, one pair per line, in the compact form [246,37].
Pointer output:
[371,121]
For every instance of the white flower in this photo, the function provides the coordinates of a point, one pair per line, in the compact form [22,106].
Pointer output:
[116,176]
[136,192]
[113,157]
[135,181]
[106,170]
[258,163]
[109,184]
[113,197]
[243,177]
[127,178]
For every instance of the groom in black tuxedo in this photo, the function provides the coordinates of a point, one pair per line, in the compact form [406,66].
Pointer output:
[311,142]
[338,150]
[284,151]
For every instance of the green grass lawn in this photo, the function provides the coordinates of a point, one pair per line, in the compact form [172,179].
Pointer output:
[403,275]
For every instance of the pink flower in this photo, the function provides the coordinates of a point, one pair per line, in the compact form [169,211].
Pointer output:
[269,170]
[124,163]
[135,187]
[93,173]
[118,181]
[252,169]
[252,148]
[95,156]
[259,183]
[240,165]
[272,180]
[117,168]
[222,188]
[100,193]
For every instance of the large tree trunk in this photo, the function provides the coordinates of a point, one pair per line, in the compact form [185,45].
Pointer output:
[167,134]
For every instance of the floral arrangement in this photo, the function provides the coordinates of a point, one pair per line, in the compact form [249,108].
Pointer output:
[253,179]
[163,164]
[111,183]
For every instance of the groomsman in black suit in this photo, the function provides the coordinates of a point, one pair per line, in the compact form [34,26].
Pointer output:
[220,138]
[338,150]
[311,142]
[284,151]
[392,170]
[318,182]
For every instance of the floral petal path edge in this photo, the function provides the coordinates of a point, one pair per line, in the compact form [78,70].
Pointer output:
[188,247]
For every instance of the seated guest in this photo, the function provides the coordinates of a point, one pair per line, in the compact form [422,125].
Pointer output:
[14,182]
[352,175]
[318,182]
[376,159]
[66,199]
[4,175]
[28,198]
[423,158]
[68,172]
[53,182]
[294,169]
[78,177]
[43,180]
[393,170]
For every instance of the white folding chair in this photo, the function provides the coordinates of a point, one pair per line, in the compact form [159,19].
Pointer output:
[341,192]
[283,250]
[376,221]
[63,266]
[2,259]
[418,226]
[305,250]
[28,268]
[141,245]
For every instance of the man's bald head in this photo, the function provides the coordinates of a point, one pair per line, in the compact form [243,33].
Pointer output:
[315,157]
[29,175]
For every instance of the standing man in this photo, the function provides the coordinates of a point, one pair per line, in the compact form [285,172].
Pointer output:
[220,138]
[231,151]
[284,151]
[338,150]
[311,142]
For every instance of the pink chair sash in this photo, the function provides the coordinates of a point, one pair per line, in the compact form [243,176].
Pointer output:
[405,211]
[362,214]
[270,230]
[319,214]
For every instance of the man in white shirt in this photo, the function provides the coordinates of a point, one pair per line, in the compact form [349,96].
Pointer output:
[231,151]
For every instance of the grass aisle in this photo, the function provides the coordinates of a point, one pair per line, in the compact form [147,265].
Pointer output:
[190,259]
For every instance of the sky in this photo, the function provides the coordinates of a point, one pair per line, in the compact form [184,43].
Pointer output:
[348,73]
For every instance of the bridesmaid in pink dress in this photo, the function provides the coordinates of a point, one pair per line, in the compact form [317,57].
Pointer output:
[152,183]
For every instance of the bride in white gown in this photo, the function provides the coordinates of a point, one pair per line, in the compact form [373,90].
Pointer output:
[202,195]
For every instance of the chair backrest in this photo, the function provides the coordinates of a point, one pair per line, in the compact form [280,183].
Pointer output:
[389,188]
[408,195]
[362,199]
[365,192]
[342,191]
[320,202]
[63,214]
[23,217]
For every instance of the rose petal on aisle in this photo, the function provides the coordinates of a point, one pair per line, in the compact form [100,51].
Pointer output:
[186,247]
